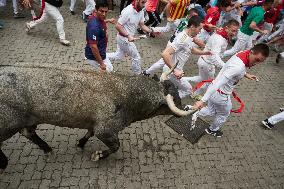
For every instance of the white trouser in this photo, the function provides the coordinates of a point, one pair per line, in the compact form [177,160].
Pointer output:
[2,3]
[276,118]
[277,32]
[15,6]
[282,55]
[109,67]
[171,26]
[243,42]
[266,26]
[129,48]
[184,87]
[90,7]
[54,13]
[206,71]
[218,106]
[156,66]
[72,5]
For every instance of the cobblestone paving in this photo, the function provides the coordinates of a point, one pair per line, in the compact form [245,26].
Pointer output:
[151,154]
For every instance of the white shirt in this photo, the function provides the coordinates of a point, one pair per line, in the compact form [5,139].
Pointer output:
[182,45]
[130,19]
[228,77]
[217,45]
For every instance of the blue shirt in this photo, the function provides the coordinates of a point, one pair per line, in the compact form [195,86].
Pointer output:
[96,33]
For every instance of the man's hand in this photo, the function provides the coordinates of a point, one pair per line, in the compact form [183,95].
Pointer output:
[265,32]
[154,34]
[103,66]
[198,105]
[26,4]
[178,73]
[130,38]
[251,77]
[170,19]
[207,53]
[111,20]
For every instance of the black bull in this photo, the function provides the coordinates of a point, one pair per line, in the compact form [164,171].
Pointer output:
[104,104]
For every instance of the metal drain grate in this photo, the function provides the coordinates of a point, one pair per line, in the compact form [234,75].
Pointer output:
[181,125]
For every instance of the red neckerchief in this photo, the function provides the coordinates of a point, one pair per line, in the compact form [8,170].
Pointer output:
[134,6]
[244,56]
[223,33]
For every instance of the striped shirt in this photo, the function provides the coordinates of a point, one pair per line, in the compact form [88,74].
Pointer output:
[177,8]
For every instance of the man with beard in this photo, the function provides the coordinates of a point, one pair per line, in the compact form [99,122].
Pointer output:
[130,19]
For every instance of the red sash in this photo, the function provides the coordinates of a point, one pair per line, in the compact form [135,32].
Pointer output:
[242,105]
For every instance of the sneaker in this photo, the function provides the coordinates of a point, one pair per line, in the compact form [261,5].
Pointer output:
[281,109]
[85,17]
[1,25]
[72,12]
[193,120]
[145,73]
[19,15]
[28,27]
[214,133]
[278,58]
[140,31]
[267,124]
[65,42]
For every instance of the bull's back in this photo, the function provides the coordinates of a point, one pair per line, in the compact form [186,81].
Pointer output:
[60,95]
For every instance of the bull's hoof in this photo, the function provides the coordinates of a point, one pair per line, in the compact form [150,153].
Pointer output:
[98,155]
[47,150]
[82,143]
[81,146]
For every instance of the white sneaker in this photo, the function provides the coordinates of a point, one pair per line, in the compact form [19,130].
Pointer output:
[28,27]
[65,42]
[193,120]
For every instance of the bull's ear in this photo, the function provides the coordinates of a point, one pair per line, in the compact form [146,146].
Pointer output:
[155,77]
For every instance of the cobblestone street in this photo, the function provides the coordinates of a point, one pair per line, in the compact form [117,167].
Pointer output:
[151,154]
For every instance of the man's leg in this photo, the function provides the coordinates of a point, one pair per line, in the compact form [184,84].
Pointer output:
[276,118]
[169,27]
[15,10]
[120,51]
[109,67]
[184,87]
[240,45]
[90,7]
[33,23]
[156,66]
[136,58]
[55,14]
[72,5]
[222,105]
[269,27]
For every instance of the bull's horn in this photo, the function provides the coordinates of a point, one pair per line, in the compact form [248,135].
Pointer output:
[164,75]
[174,109]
